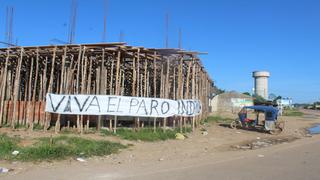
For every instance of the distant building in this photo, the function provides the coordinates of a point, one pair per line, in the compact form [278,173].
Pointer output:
[230,102]
[285,103]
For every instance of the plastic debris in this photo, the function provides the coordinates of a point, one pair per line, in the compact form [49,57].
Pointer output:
[15,153]
[3,170]
[204,133]
[258,137]
[245,147]
[81,159]
[180,136]
[260,156]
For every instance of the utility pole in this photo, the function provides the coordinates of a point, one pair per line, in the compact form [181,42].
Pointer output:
[9,26]
[167,31]
[73,20]
[180,39]
[121,36]
[105,8]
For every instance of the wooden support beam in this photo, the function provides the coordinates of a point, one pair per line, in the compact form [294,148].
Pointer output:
[16,91]
[154,87]
[61,89]
[117,87]
[29,99]
[3,87]
[35,91]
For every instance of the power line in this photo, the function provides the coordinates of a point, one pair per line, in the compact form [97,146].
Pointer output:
[8,44]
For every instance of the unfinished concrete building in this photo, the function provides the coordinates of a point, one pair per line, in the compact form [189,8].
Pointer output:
[28,73]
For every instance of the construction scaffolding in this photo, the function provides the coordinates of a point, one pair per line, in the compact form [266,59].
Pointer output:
[28,73]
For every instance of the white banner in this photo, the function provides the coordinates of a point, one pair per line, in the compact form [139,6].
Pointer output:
[121,106]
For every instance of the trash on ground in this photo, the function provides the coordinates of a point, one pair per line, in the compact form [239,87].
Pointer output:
[3,170]
[262,143]
[180,136]
[15,153]
[81,159]
[204,133]
[245,147]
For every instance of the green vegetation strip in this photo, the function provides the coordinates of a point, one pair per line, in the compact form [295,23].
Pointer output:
[146,134]
[292,112]
[60,147]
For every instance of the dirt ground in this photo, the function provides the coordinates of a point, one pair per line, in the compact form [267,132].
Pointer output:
[219,142]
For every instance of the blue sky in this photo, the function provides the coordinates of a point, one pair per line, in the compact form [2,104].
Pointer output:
[281,36]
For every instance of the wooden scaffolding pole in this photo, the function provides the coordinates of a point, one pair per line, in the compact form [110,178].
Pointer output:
[34,92]
[61,89]
[117,86]
[4,86]
[154,87]
[16,90]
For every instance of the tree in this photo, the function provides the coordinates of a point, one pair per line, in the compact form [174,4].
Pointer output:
[247,93]
[272,96]
[276,99]
[259,100]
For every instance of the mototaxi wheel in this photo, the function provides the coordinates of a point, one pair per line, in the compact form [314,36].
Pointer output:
[235,124]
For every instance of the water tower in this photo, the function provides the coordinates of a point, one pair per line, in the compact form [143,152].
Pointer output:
[261,83]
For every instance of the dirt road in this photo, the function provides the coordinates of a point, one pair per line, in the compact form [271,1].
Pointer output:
[299,160]
[198,157]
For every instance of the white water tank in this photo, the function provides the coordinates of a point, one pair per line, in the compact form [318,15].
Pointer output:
[261,83]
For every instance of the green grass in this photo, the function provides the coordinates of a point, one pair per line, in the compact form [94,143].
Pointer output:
[292,112]
[56,148]
[217,119]
[24,127]
[7,145]
[38,127]
[146,134]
